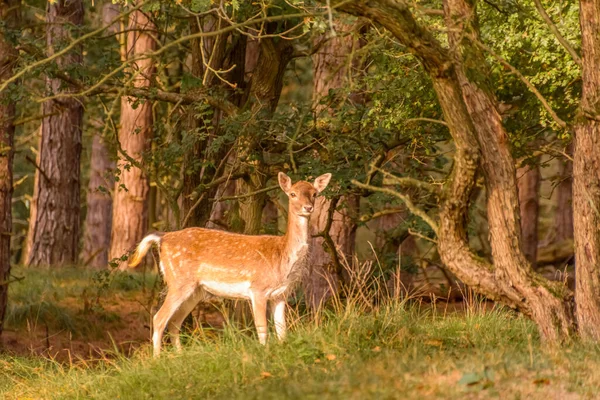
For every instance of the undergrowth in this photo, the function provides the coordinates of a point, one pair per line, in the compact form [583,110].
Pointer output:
[354,349]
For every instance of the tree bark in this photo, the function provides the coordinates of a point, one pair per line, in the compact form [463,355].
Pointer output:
[98,219]
[130,202]
[563,222]
[55,228]
[264,92]
[528,181]
[326,264]
[8,56]
[475,124]
[332,65]
[197,168]
[586,178]
[550,311]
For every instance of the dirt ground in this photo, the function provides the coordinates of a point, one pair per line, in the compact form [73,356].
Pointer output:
[127,327]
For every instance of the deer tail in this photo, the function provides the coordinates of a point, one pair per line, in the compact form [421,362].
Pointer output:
[143,247]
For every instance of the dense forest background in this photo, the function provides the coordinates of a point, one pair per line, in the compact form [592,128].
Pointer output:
[462,138]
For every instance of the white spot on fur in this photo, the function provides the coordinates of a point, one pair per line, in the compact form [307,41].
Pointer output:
[234,290]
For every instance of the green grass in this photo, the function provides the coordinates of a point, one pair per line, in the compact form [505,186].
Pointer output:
[61,297]
[397,350]
[394,352]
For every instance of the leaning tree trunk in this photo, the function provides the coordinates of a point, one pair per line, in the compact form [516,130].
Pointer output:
[332,64]
[130,202]
[55,226]
[8,56]
[475,124]
[586,178]
[528,181]
[563,221]
[98,219]
[548,309]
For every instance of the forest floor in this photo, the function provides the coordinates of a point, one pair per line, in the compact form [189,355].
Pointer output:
[76,333]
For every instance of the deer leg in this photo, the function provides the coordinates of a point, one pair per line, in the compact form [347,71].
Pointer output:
[279,318]
[259,310]
[171,304]
[184,310]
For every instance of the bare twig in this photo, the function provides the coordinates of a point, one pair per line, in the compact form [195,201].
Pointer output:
[387,211]
[406,181]
[435,121]
[35,164]
[420,235]
[250,194]
[409,204]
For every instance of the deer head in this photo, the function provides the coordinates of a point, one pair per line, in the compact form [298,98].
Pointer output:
[302,194]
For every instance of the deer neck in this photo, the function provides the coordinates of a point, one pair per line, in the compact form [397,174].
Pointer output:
[296,236]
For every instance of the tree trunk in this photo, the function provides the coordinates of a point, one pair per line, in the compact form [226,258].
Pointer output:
[332,65]
[197,168]
[329,255]
[550,311]
[471,114]
[563,222]
[8,56]
[264,92]
[98,220]
[528,181]
[55,228]
[130,203]
[586,178]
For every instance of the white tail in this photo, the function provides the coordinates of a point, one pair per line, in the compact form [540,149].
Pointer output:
[197,263]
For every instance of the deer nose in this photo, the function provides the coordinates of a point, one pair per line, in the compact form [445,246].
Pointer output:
[308,208]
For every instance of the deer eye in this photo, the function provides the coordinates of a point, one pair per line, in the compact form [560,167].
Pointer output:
[293,194]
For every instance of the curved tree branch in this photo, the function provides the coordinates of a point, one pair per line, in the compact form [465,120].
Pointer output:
[561,39]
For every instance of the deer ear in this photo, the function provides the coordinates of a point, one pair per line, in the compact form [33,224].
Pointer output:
[284,181]
[321,182]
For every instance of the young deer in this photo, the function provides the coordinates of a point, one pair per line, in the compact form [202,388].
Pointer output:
[197,263]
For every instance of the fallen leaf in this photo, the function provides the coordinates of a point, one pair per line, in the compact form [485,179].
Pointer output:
[265,375]
[330,357]
[318,360]
[542,381]
[376,349]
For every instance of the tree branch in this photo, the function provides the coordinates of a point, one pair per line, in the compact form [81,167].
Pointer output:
[66,49]
[561,39]
[529,85]
[242,196]
[406,181]
[409,204]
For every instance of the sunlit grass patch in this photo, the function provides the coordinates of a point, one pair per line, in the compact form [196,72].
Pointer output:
[355,348]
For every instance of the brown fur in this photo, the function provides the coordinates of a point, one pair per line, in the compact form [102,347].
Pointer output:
[198,262]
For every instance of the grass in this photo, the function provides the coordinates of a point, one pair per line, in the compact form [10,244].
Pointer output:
[396,350]
[63,298]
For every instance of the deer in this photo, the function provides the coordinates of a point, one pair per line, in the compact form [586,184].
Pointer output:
[199,263]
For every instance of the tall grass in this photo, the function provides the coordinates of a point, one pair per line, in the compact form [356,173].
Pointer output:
[357,348]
